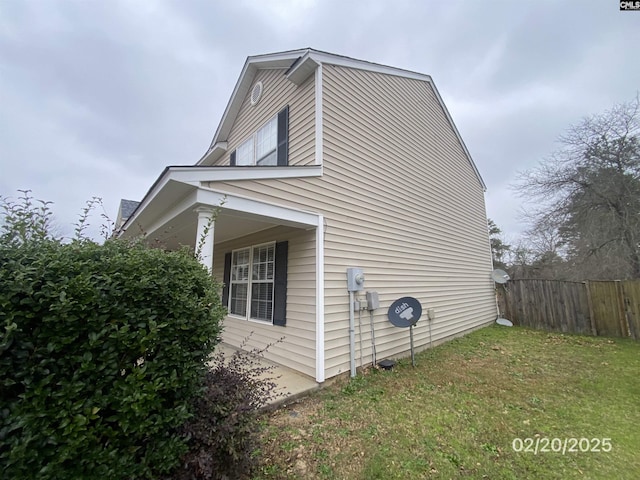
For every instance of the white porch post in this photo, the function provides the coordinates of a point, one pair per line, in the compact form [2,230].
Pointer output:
[204,236]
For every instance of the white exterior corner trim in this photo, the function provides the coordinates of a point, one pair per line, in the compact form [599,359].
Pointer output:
[320,361]
[319,116]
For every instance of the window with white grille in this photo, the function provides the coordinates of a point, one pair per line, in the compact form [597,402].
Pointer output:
[239,282]
[266,143]
[268,146]
[253,293]
[244,154]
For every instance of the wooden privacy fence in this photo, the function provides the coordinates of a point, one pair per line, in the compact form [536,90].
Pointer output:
[609,308]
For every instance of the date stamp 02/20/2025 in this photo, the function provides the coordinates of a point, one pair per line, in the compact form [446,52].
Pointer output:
[568,445]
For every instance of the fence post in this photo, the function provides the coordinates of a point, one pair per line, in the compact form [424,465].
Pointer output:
[630,304]
[592,320]
[624,324]
[504,310]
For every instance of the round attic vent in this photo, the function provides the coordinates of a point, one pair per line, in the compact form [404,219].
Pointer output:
[256,93]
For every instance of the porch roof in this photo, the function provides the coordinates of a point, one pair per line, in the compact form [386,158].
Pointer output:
[168,211]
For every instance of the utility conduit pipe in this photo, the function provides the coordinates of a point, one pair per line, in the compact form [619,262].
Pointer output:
[352,335]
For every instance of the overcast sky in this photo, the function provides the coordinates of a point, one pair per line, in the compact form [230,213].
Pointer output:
[97,97]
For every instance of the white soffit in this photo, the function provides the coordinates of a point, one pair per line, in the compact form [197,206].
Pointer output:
[215,152]
[302,69]
[199,174]
[256,208]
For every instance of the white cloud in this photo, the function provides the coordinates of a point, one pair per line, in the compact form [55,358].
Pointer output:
[288,13]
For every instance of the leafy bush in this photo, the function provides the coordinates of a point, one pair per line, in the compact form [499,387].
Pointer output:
[102,348]
[224,432]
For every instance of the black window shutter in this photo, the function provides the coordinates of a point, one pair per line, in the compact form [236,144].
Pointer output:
[283,137]
[227,280]
[232,159]
[280,284]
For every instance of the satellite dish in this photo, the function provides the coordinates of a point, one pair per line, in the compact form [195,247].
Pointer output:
[500,276]
[504,322]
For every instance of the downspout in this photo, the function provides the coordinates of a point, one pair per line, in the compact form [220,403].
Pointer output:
[320,360]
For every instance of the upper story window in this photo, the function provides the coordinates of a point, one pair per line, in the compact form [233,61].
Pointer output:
[261,148]
[266,143]
[267,146]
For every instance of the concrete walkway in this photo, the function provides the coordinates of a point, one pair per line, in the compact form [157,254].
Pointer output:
[290,384]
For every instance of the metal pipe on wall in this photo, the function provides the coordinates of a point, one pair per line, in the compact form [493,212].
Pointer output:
[352,335]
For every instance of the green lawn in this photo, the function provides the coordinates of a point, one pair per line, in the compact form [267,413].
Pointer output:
[458,412]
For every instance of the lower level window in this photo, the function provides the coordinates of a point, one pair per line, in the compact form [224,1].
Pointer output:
[251,282]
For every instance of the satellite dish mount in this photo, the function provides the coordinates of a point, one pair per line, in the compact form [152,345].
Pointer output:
[501,278]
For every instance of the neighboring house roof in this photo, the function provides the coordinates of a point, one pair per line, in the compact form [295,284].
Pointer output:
[301,64]
[127,207]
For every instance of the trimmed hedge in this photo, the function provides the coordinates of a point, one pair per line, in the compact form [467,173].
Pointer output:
[102,349]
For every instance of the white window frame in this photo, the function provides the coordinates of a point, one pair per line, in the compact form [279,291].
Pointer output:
[250,282]
[233,282]
[253,141]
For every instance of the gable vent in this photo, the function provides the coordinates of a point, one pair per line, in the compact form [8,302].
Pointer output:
[256,93]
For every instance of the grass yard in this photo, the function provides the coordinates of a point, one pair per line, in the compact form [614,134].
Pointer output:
[458,412]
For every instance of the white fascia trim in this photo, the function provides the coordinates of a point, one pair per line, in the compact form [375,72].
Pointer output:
[196,175]
[277,60]
[240,84]
[362,65]
[320,359]
[458,136]
[374,67]
[206,196]
[301,69]
[185,204]
[148,198]
[215,152]
[319,115]
[251,65]
[284,60]
[222,174]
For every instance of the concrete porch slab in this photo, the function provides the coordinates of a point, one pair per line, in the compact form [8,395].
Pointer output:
[290,384]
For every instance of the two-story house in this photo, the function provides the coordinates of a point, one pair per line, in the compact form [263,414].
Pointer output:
[322,162]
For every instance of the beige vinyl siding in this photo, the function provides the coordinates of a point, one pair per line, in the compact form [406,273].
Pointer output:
[418,216]
[298,347]
[401,200]
[278,92]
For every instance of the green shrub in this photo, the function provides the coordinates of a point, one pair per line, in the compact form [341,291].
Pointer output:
[102,348]
[224,432]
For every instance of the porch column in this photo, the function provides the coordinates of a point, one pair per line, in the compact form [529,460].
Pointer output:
[204,236]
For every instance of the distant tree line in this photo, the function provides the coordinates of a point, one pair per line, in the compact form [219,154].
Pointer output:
[584,217]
